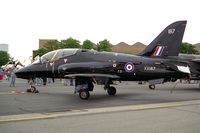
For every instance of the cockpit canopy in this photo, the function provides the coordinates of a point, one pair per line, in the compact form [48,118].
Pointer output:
[56,54]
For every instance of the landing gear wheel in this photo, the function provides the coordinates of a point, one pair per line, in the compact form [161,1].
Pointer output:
[111,91]
[84,94]
[152,87]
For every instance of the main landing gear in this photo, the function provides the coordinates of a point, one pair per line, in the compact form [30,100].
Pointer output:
[83,86]
[111,91]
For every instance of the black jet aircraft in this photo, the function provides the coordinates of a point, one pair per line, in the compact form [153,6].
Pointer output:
[88,66]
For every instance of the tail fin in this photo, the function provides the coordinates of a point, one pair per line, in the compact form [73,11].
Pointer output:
[168,42]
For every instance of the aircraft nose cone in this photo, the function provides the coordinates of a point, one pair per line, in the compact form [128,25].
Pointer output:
[32,71]
[22,73]
[19,73]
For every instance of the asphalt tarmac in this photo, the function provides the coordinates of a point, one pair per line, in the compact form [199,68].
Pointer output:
[135,108]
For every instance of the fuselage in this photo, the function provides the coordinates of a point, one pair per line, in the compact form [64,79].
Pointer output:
[86,62]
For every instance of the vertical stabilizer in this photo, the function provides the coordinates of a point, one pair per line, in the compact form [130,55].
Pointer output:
[168,42]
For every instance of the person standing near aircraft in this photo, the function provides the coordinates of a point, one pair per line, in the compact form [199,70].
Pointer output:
[13,78]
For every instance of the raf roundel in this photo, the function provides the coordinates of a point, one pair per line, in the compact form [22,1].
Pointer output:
[129,67]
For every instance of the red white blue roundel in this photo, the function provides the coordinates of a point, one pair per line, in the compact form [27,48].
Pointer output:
[129,67]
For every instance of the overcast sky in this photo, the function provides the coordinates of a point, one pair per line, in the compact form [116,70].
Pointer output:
[24,22]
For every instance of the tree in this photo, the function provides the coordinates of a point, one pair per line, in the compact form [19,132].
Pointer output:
[48,46]
[70,43]
[39,52]
[104,45]
[188,48]
[4,57]
[87,44]
[51,45]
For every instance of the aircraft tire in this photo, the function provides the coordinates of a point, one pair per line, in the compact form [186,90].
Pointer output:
[111,91]
[152,87]
[84,94]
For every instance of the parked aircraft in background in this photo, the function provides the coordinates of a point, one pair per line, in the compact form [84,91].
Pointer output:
[87,66]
